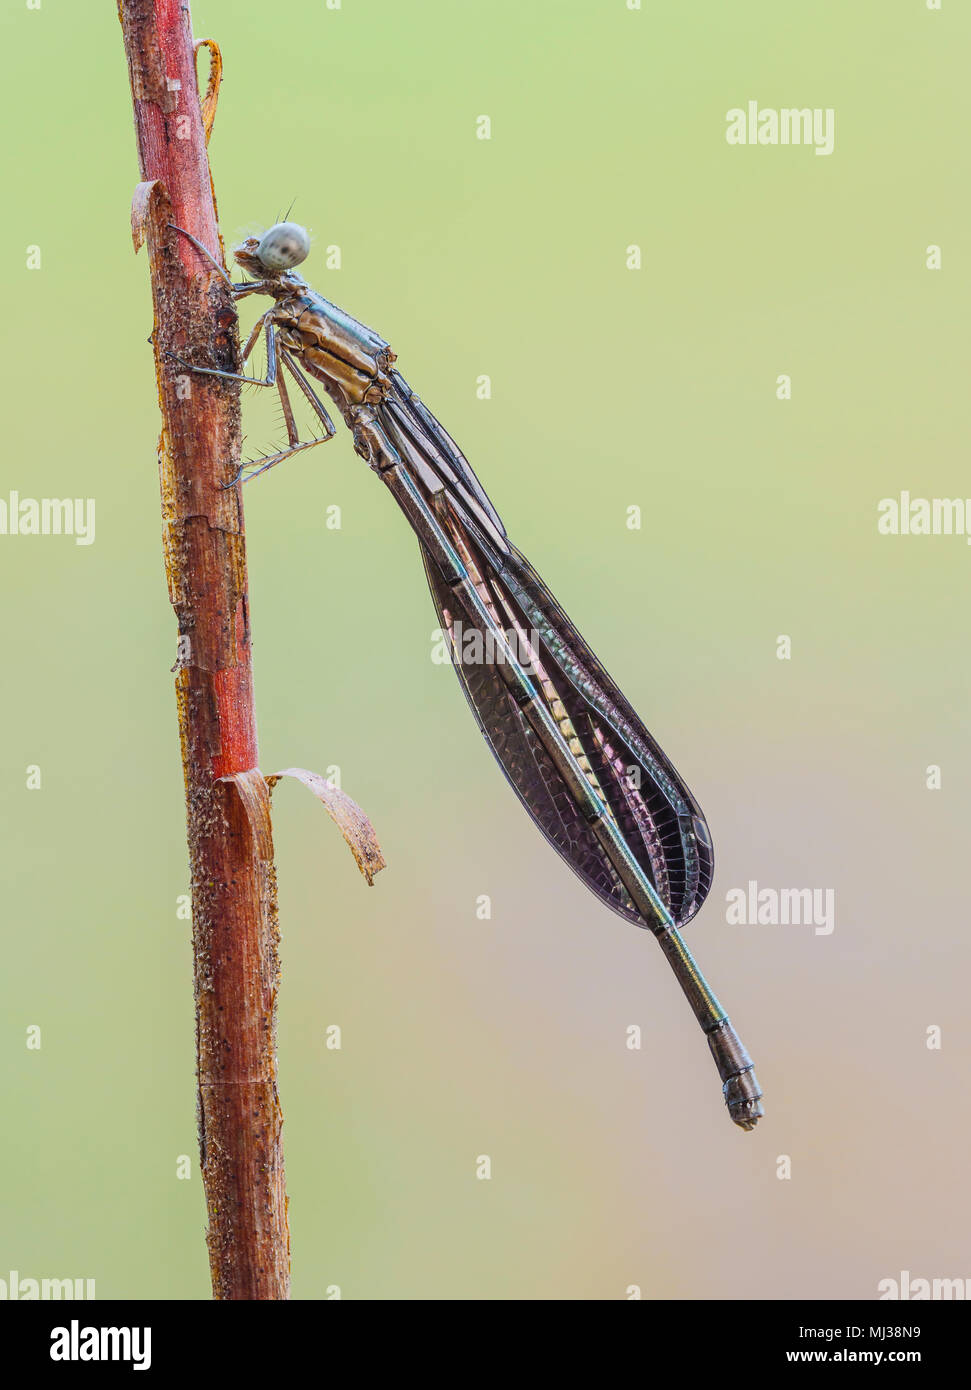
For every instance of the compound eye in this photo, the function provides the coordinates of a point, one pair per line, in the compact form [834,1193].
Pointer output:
[283,246]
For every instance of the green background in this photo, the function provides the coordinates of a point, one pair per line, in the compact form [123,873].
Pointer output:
[611,388]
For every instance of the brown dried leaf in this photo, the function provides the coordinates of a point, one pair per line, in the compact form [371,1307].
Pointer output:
[254,793]
[208,102]
[149,203]
[346,814]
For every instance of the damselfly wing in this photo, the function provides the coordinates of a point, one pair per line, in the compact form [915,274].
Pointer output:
[645,796]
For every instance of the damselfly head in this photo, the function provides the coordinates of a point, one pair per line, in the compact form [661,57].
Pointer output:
[281,248]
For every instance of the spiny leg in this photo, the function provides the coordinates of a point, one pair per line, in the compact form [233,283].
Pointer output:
[272,357]
[295,442]
[293,437]
[274,352]
[273,459]
[255,332]
[316,403]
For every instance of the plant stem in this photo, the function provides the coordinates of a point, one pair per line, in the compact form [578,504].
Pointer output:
[234,922]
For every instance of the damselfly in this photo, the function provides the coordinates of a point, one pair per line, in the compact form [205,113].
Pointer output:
[578,757]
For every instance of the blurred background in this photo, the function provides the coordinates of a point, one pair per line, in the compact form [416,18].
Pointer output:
[611,388]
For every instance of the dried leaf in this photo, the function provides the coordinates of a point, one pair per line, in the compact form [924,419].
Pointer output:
[254,793]
[208,102]
[149,203]
[346,814]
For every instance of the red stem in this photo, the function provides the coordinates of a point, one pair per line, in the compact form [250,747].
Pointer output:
[235,932]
